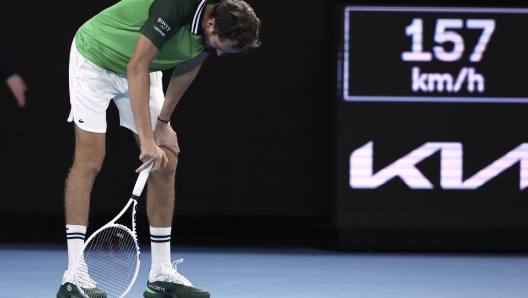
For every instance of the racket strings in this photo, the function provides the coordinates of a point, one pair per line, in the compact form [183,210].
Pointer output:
[108,263]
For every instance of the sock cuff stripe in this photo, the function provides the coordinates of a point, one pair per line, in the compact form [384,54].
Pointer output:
[160,241]
[78,234]
[76,237]
[160,236]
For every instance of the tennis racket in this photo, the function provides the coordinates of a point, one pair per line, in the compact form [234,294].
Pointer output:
[109,262]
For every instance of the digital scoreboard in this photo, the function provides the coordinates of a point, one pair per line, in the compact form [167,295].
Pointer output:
[430,120]
[434,54]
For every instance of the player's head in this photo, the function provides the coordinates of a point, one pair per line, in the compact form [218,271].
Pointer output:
[235,25]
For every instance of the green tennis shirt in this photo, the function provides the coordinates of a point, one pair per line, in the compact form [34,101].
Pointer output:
[174,26]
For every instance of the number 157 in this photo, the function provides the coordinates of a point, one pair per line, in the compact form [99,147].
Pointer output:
[443,35]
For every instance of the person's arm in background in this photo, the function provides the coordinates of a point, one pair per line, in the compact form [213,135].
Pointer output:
[14,81]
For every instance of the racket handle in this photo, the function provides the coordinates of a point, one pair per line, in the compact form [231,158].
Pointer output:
[142,179]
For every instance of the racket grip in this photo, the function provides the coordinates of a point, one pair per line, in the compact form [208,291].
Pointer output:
[142,179]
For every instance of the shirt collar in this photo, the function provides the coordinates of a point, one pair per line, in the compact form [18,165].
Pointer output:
[196,24]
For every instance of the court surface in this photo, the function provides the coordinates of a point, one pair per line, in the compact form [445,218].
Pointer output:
[36,271]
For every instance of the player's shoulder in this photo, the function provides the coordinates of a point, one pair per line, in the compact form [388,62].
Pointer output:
[185,10]
[192,4]
[185,3]
[180,7]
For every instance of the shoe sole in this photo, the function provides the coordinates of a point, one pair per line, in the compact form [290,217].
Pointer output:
[159,295]
[166,295]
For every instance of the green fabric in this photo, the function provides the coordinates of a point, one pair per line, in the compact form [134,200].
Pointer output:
[109,38]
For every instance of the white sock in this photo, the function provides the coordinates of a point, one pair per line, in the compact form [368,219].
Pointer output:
[75,236]
[160,246]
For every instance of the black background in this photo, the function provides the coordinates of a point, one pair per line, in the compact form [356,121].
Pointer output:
[255,132]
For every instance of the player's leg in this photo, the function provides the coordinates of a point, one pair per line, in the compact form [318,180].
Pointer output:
[160,193]
[163,277]
[88,159]
[160,208]
[87,162]
[89,99]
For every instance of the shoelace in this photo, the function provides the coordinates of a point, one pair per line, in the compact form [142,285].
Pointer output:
[86,281]
[84,276]
[174,276]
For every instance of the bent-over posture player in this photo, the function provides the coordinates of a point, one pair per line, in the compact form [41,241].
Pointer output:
[119,54]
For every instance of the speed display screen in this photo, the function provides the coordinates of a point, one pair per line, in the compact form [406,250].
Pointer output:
[434,54]
[430,118]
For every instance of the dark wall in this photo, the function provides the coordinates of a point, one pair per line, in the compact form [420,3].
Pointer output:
[253,129]
[376,210]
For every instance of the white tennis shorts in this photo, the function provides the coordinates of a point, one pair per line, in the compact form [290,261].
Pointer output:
[92,88]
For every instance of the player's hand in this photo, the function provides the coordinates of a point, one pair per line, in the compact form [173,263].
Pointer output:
[151,153]
[165,136]
[18,87]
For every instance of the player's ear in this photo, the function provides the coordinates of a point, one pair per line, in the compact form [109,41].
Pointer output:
[211,23]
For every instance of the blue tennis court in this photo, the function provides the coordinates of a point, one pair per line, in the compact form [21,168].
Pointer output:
[36,271]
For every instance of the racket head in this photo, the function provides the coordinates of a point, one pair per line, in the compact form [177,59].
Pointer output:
[109,263]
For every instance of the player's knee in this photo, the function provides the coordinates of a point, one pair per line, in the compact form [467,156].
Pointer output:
[89,151]
[171,164]
[170,169]
[95,166]
[90,164]
[91,168]
[164,174]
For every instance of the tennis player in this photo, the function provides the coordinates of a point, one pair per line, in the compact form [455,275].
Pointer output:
[119,54]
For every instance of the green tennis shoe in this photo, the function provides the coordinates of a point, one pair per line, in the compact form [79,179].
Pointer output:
[170,284]
[69,289]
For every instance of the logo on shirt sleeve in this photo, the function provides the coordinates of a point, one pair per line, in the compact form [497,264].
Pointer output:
[162,27]
[159,30]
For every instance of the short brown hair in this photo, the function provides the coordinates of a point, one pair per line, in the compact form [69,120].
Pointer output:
[236,20]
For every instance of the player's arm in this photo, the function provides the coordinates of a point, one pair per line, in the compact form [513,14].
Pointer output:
[139,90]
[182,76]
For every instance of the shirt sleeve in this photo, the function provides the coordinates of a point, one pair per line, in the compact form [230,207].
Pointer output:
[165,17]
[5,70]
